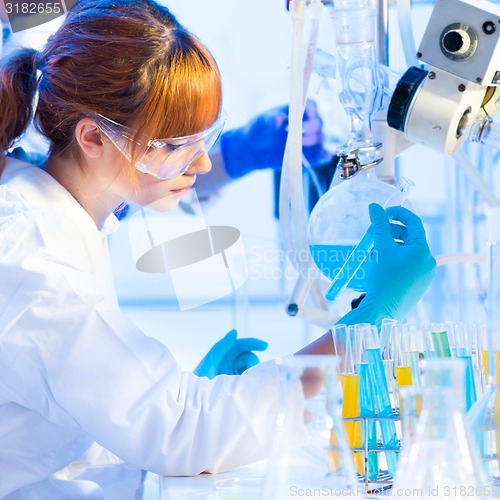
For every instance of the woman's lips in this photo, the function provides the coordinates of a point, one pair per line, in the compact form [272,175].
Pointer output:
[186,188]
[181,191]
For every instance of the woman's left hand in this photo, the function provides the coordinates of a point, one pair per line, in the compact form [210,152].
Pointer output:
[230,356]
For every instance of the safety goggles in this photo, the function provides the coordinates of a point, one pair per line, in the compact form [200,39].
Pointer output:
[162,158]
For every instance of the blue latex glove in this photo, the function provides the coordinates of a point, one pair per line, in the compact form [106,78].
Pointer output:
[261,143]
[399,273]
[230,356]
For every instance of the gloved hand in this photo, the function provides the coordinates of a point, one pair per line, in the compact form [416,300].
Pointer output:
[261,143]
[398,274]
[230,356]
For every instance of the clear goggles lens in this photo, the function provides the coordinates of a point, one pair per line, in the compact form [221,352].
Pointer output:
[162,158]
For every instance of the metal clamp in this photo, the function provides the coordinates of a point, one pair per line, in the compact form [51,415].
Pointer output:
[349,161]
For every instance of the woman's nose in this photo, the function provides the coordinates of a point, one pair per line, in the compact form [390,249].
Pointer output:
[201,165]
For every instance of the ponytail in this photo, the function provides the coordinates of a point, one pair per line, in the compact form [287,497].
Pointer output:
[18,84]
[129,61]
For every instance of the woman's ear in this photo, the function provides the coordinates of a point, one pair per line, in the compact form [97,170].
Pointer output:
[89,137]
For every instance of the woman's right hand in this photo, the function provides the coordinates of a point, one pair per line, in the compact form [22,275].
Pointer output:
[399,273]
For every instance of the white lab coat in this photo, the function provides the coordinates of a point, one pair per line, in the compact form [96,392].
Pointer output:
[75,370]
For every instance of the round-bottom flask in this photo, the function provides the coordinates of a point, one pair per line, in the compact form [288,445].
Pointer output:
[340,219]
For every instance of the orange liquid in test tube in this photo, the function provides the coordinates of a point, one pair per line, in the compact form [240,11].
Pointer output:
[351,409]
[403,378]
[484,354]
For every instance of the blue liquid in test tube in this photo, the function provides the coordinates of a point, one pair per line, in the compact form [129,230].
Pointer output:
[367,410]
[470,387]
[383,405]
[356,258]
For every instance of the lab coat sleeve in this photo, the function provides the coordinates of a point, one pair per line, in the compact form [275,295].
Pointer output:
[82,364]
[126,391]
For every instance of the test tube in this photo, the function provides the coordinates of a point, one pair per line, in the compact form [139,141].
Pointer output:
[402,368]
[387,350]
[411,350]
[465,347]
[366,402]
[440,341]
[359,254]
[350,400]
[380,392]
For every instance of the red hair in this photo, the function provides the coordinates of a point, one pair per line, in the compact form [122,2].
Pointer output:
[130,61]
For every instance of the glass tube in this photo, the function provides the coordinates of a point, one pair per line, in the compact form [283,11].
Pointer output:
[380,392]
[440,341]
[402,368]
[354,23]
[365,246]
[366,402]
[350,395]
[387,350]
[464,346]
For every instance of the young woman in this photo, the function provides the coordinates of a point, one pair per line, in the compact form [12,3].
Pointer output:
[130,102]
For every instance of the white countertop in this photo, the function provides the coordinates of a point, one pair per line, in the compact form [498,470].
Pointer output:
[202,487]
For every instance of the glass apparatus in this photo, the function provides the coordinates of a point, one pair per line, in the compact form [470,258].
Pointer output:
[339,239]
[483,419]
[403,365]
[350,381]
[310,448]
[410,406]
[380,393]
[367,404]
[443,460]
[354,24]
[340,218]
[464,345]
[339,221]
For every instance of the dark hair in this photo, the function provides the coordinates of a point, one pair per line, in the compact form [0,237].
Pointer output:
[130,61]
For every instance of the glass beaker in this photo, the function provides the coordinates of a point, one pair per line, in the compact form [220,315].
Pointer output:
[315,454]
[443,459]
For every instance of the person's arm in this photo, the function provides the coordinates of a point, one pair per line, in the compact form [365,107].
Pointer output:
[396,279]
[260,144]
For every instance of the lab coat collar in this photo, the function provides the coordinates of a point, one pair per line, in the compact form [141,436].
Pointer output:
[41,189]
